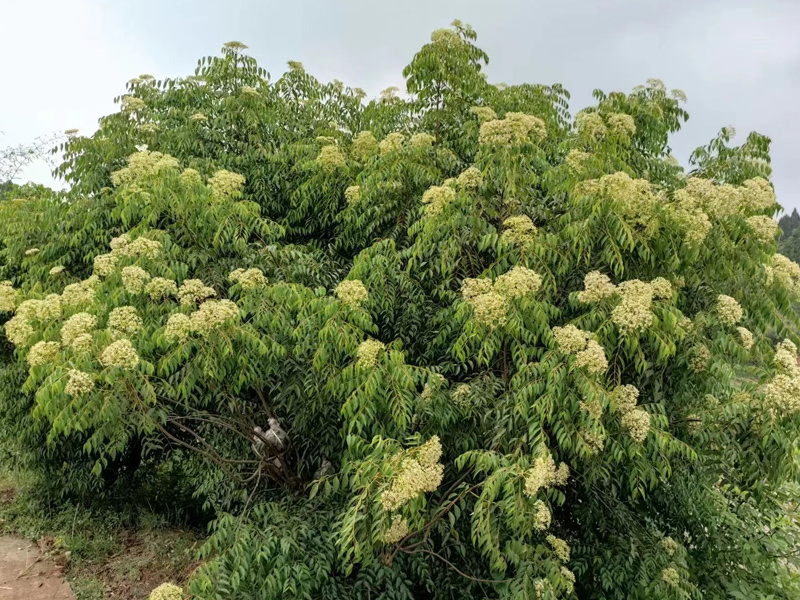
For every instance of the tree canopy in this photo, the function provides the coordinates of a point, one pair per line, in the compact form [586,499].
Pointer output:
[456,344]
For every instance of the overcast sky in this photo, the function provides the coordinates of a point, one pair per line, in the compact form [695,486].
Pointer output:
[738,61]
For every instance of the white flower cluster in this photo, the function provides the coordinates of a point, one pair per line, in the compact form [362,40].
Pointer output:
[541,516]
[159,287]
[352,292]
[671,577]
[124,320]
[470,179]
[352,194]
[79,324]
[437,197]
[782,393]
[42,353]
[662,288]
[83,292]
[166,591]
[190,178]
[636,420]
[593,408]
[728,310]
[518,282]
[212,314]
[420,472]
[248,279]
[634,199]
[765,228]
[543,474]
[132,103]
[721,201]
[757,194]
[178,327]
[330,159]
[669,545]
[392,143]
[18,331]
[570,339]
[593,357]
[40,310]
[120,354]
[435,382]
[460,395]
[194,290]
[79,383]
[595,440]
[364,144]
[747,337]
[576,160]
[515,129]
[397,530]
[484,113]
[590,124]
[634,310]
[786,357]
[142,164]
[490,302]
[368,352]
[588,353]
[421,140]
[519,229]
[596,287]
[786,272]
[625,397]
[134,278]
[105,264]
[622,125]
[8,297]
[141,246]
[560,547]
[225,184]
[699,357]
[446,37]
[696,224]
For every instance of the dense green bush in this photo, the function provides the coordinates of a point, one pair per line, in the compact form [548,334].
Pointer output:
[460,345]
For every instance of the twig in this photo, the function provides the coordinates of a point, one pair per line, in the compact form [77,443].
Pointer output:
[21,573]
[460,572]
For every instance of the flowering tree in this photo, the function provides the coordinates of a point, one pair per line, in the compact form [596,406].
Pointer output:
[462,344]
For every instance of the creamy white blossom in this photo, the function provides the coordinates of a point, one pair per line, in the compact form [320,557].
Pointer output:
[194,290]
[42,353]
[125,320]
[79,383]
[368,352]
[212,314]
[352,292]
[120,354]
[519,229]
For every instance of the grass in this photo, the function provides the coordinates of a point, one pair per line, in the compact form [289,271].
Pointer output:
[108,553]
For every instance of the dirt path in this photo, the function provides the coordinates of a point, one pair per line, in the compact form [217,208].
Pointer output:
[27,575]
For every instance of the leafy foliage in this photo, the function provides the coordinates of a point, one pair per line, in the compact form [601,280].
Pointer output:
[455,345]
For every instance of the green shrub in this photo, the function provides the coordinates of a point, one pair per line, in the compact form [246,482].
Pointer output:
[456,345]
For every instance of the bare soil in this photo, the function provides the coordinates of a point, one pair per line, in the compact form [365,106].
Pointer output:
[26,573]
